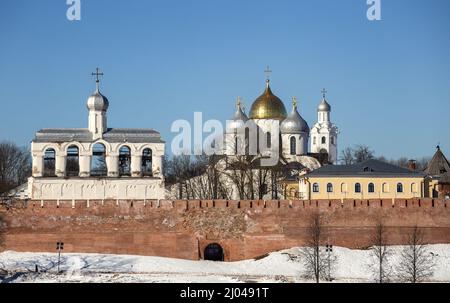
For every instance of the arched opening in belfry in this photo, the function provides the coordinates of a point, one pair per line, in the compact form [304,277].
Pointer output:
[98,161]
[125,161]
[49,162]
[73,161]
[147,163]
[214,252]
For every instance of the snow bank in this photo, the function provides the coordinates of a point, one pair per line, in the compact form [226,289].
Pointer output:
[351,266]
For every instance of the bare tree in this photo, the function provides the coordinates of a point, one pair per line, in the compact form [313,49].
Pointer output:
[416,263]
[347,156]
[357,154]
[2,230]
[363,153]
[315,261]
[421,163]
[15,166]
[381,253]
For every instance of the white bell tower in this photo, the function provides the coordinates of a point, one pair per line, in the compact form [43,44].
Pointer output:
[97,105]
[324,134]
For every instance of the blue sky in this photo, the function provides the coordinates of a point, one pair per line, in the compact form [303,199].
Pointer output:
[388,81]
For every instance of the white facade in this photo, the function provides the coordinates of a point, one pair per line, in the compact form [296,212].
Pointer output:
[97,162]
[324,134]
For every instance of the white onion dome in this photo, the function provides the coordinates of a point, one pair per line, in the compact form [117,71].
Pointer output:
[97,101]
[324,106]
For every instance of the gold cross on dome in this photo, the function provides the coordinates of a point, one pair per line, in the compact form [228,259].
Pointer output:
[294,101]
[268,71]
[324,92]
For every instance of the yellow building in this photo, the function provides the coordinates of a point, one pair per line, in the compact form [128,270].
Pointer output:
[371,179]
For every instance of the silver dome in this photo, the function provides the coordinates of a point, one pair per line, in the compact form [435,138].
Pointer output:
[324,106]
[294,123]
[239,117]
[97,102]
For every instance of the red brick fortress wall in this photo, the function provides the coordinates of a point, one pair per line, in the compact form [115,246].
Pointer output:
[182,229]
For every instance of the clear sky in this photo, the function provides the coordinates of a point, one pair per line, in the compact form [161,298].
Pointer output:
[388,81]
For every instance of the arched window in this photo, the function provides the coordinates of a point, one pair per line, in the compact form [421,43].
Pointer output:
[125,161]
[293,146]
[315,187]
[371,188]
[324,140]
[329,188]
[247,141]
[236,145]
[357,187]
[147,163]
[73,161]
[314,140]
[332,140]
[98,161]
[269,140]
[385,188]
[399,187]
[49,163]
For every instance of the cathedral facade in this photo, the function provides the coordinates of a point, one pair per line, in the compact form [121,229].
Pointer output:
[297,141]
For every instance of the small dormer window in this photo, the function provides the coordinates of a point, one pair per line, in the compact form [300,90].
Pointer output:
[367,169]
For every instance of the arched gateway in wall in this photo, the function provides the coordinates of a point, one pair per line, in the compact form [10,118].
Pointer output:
[214,252]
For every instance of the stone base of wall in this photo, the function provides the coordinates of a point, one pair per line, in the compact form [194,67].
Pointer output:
[183,229]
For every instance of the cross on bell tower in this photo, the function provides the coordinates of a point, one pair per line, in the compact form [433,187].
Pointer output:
[324,93]
[97,79]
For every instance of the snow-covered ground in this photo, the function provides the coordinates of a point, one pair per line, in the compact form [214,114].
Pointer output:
[351,266]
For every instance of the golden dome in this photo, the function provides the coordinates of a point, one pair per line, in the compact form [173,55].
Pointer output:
[268,106]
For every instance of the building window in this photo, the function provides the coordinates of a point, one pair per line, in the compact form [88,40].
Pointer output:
[385,188]
[269,140]
[98,161]
[413,188]
[371,188]
[329,188]
[315,188]
[399,187]
[73,161]
[147,163]
[49,163]
[357,188]
[314,140]
[125,161]
[324,140]
[293,146]
[332,140]
[247,141]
